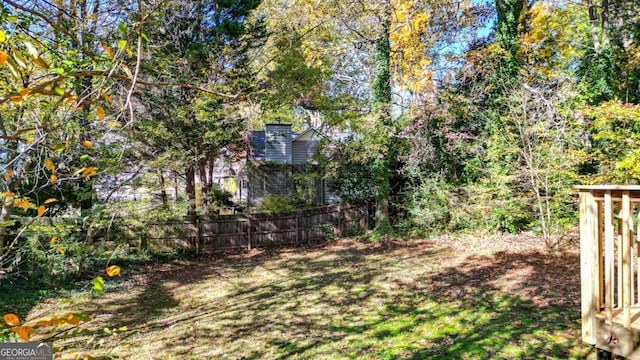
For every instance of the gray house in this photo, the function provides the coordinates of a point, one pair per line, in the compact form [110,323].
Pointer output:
[282,162]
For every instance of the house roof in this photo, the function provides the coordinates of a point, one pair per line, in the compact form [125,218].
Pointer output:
[296,136]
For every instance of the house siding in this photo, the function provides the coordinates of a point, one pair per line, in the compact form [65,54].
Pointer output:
[303,150]
[278,143]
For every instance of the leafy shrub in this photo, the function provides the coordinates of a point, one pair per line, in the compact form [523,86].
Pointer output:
[220,198]
[428,207]
[52,252]
[511,218]
[327,231]
[274,203]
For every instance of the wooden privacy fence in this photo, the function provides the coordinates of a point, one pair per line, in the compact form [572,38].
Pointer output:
[609,267]
[264,230]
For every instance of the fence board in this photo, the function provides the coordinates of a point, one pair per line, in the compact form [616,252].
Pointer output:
[260,230]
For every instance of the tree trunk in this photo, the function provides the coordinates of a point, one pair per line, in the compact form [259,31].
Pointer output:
[176,187]
[599,25]
[382,106]
[205,185]
[163,190]
[190,188]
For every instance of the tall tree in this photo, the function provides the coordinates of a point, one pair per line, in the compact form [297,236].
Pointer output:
[200,43]
[382,51]
[611,70]
[382,101]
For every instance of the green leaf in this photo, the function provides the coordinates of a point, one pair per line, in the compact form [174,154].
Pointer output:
[58,90]
[58,70]
[13,69]
[98,284]
[107,331]
[12,19]
[59,148]
[17,56]
[84,157]
[123,29]
[122,44]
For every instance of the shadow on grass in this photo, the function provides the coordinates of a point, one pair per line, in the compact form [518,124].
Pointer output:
[536,317]
[21,294]
[391,300]
[501,306]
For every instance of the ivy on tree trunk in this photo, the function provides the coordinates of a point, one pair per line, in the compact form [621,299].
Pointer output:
[382,106]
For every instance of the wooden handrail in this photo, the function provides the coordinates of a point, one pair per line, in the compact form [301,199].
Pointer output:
[608,282]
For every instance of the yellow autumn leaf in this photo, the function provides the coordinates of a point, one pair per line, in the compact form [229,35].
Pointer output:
[11,319]
[53,240]
[107,50]
[9,194]
[41,210]
[53,179]
[50,200]
[8,174]
[60,250]
[25,92]
[24,204]
[43,323]
[89,172]
[100,113]
[127,70]
[49,164]
[108,98]
[3,57]
[40,62]
[72,319]
[113,270]
[87,144]
[16,99]
[23,332]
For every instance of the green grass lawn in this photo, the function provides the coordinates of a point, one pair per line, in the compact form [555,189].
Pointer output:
[464,298]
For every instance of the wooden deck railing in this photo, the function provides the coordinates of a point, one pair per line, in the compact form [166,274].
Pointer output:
[609,262]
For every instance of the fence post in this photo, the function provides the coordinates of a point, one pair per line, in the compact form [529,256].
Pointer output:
[340,232]
[198,234]
[307,236]
[297,227]
[249,232]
